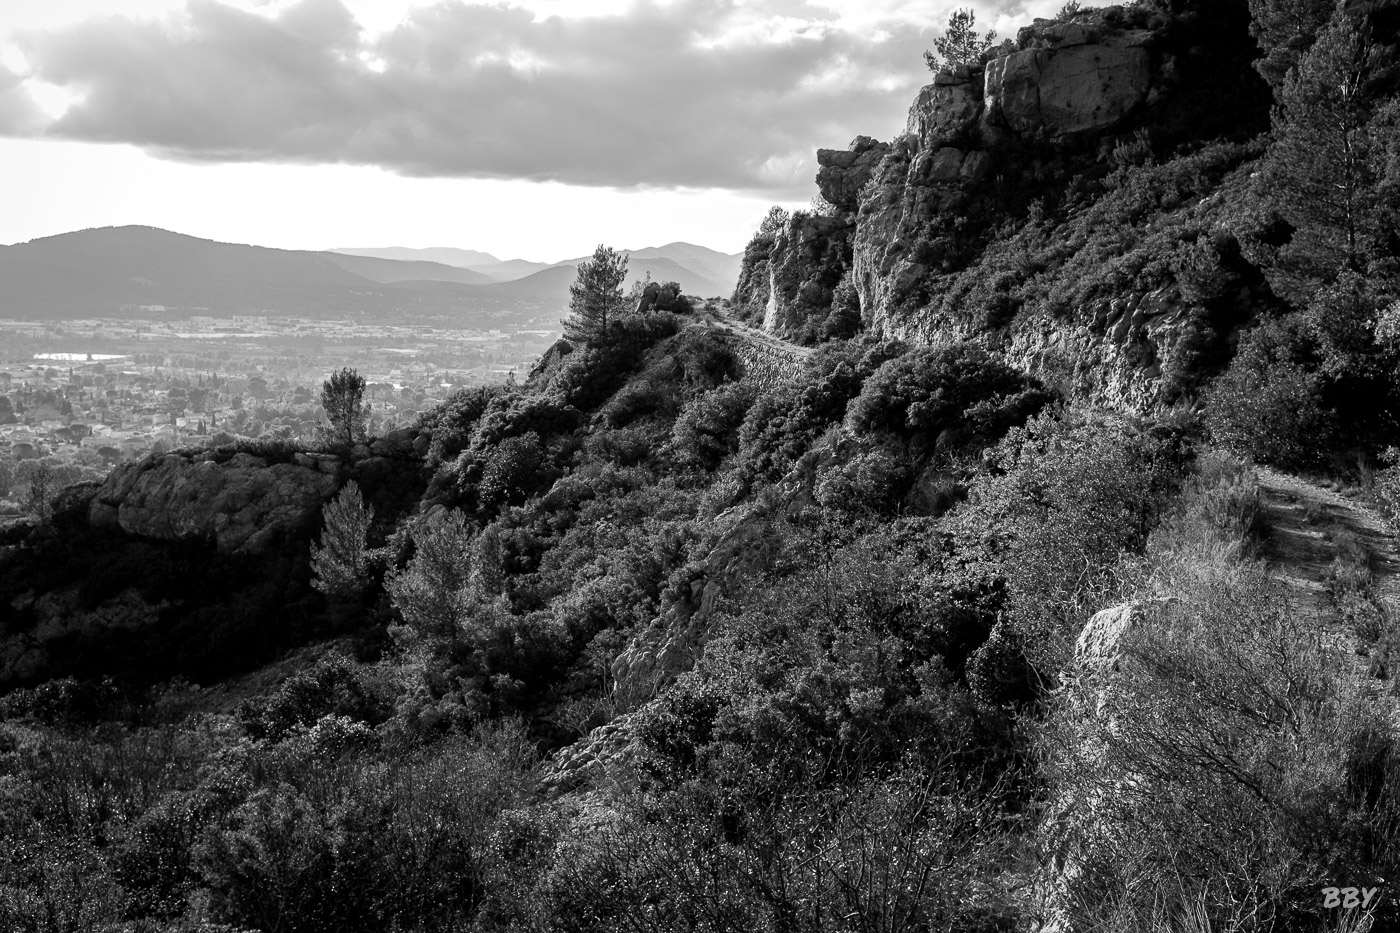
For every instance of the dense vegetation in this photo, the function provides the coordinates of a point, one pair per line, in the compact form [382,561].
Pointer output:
[639,644]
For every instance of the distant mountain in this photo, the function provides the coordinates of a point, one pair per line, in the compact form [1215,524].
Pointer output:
[447,255]
[702,272]
[120,270]
[549,284]
[510,269]
[387,271]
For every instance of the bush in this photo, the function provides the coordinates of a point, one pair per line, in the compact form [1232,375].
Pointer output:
[1229,745]
[450,425]
[333,687]
[707,429]
[1065,502]
[1268,405]
[949,395]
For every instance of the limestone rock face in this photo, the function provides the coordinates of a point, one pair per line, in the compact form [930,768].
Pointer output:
[841,174]
[947,108]
[242,504]
[1091,87]
[809,257]
[1013,90]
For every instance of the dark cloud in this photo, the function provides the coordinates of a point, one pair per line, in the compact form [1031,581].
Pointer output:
[691,94]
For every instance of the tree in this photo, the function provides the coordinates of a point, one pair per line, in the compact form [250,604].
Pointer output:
[1324,158]
[1285,29]
[342,397]
[435,592]
[774,221]
[596,296]
[959,44]
[40,485]
[1328,173]
[342,561]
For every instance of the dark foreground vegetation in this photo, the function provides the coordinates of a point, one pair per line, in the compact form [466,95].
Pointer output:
[641,645]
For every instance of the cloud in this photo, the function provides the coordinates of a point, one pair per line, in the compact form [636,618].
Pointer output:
[20,115]
[694,93]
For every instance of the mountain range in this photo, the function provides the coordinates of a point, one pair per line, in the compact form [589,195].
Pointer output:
[123,270]
[700,271]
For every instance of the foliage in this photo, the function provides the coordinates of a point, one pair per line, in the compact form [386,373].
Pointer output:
[514,469]
[342,400]
[944,396]
[436,592]
[596,298]
[959,44]
[1268,404]
[342,561]
[1065,502]
[707,430]
[1227,740]
[450,425]
[334,686]
[780,426]
[1285,30]
[1325,164]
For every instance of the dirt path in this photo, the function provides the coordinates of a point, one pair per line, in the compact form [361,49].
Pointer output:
[1298,544]
[1303,520]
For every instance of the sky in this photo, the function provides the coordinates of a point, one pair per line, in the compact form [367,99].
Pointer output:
[531,129]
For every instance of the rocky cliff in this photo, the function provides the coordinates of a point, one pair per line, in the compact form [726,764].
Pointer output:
[982,144]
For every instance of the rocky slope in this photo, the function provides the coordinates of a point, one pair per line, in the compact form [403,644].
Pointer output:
[983,143]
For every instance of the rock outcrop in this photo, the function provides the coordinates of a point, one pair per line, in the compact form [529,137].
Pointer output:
[241,504]
[810,255]
[843,173]
[1049,109]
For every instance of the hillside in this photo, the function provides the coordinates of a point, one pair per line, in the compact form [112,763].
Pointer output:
[1014,551]
[121,270]
[446,255]
[118,271]
[700,271]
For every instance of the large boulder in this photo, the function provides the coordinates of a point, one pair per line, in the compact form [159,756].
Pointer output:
[1067,90]
[842,173]
[242,504]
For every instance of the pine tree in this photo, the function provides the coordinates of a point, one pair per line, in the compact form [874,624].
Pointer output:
[342,398]
[1285,30]
[1324,162]
[596,298]
[342,561]
[959,44]
[435,593]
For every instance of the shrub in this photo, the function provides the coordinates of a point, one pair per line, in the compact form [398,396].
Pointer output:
[333,687]
[1229,746]
[450,425]
[1268,405]
[1065,502]
[706,359]
[707,429]
[514,469]
[947,394]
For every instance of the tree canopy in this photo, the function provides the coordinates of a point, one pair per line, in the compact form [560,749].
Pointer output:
[959,44]
[342,398]
[596,298]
